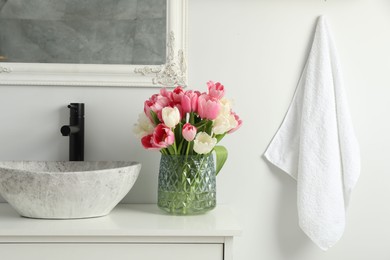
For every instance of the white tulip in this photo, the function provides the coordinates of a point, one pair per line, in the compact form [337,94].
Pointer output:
[204,143]
[171,116]
[144,127]
[226,106]
[224,123]
[232,121]
[221,125]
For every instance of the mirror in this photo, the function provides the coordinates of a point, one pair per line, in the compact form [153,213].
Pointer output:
[127,43]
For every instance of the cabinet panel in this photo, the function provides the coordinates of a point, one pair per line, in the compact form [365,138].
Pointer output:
[112,251]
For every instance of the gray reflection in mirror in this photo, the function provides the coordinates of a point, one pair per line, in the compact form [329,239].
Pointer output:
[83,31]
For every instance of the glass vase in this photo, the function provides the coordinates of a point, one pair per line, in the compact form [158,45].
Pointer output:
[187,184]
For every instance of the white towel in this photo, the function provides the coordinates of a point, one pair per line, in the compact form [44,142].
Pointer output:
[316,144]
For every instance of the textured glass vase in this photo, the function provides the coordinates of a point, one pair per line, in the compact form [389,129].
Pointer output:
[187,184]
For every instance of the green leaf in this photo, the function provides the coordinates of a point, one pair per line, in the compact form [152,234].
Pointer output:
[171,150]
[221,155]
[209,127]
[156,121]
[219,137]
[200,124]
[178,132]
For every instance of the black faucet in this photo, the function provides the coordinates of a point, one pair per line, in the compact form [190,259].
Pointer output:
[75,131]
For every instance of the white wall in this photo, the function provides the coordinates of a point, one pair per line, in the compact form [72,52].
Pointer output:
[257,49]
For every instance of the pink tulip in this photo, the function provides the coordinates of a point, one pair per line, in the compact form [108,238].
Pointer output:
[216,90]
[162,136]
[155,103]
[189,101]
[239,123]
[147,142]
[189,132]
[177,93]
[166,93]
[208,107]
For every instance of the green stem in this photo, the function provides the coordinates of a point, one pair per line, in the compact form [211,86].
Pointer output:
[174,146]
[201,124]
[170,150]
[188,148]
[192,119]
[180,145]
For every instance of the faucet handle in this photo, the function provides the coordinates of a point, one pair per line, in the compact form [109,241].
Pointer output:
[76,109]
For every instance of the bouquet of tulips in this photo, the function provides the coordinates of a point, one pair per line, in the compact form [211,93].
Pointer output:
[186,122]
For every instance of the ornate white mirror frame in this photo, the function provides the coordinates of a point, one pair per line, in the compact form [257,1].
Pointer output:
[172,73]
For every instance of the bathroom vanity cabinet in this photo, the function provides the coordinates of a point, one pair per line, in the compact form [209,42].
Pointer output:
[131,231]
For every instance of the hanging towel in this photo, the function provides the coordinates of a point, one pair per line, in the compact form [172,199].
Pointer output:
[316,144]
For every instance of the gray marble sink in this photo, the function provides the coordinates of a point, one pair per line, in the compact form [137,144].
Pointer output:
[65,190]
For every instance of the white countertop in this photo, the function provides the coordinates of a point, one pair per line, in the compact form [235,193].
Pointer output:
[126,220]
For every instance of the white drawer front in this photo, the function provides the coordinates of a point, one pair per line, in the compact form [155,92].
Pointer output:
[111,251]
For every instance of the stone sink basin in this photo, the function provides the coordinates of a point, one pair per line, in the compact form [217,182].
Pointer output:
[65,190]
